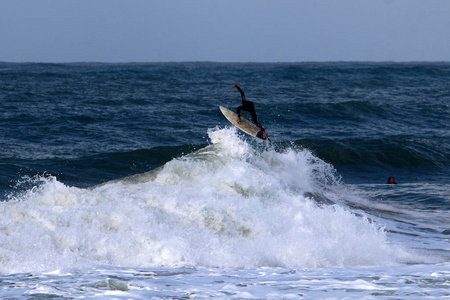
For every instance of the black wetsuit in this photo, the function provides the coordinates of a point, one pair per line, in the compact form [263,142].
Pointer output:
[248,106]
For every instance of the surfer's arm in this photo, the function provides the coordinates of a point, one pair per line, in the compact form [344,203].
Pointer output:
[240,91]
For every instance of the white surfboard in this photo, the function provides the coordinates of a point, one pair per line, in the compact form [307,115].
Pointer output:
[245,125]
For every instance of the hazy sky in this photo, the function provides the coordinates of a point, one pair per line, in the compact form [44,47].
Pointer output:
[228,30]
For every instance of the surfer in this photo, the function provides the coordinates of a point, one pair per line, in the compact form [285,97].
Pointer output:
[391,180]
[249,106]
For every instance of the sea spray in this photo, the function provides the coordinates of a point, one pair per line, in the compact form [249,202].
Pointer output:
[229,204]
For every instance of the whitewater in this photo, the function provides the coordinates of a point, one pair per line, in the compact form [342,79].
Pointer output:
[235,219]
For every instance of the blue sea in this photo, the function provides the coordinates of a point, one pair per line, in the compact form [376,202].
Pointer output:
[125,181]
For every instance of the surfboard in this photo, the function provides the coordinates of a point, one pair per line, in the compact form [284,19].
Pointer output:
[245,125]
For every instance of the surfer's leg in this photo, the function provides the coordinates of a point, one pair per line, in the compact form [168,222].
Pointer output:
[254,117]
[238,110]
[255,120]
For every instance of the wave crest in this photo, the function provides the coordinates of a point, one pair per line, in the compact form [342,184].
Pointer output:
[230,204]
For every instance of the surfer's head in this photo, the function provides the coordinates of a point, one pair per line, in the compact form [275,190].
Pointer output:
[391,180]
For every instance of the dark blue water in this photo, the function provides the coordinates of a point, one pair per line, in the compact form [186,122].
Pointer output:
[90,123]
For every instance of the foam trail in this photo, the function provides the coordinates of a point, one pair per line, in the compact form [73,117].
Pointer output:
[227,205]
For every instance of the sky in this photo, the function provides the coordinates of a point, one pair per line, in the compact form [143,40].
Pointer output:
[224,31]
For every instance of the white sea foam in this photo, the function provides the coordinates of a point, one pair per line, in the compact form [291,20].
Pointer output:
[228,205]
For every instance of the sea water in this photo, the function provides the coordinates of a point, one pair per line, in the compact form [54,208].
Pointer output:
[124,181]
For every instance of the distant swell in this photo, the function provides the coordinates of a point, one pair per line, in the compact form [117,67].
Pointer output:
[393,151]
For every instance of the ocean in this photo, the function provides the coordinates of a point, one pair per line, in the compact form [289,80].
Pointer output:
[125,181]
